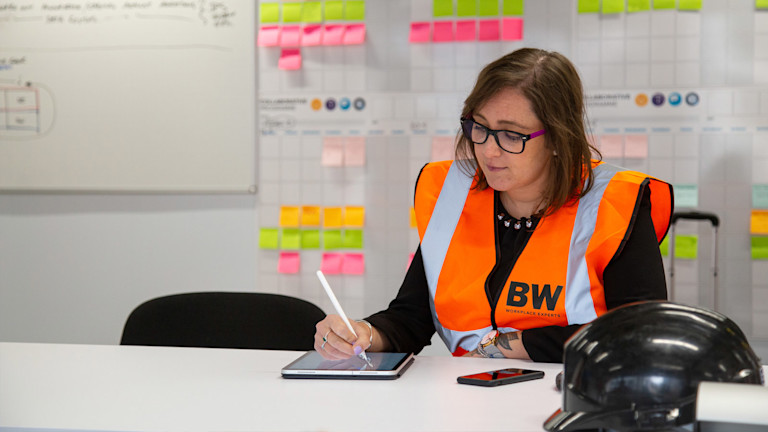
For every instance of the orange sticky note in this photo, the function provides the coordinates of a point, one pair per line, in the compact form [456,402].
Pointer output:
[290,36]
[353,263]
[289,216]
[442,148]
[334,34]
[758,223]
[289,262]
[331,263]
[354,34]
[489,30]
[269,36]
[290,59]
[333,151]
[354,151]
[443,31]
[413,218]
[511,29]
[466,30]
[310,216]
[636,146]
[420,32]
[312,35]
[612,146]
[332,217]
[354,216]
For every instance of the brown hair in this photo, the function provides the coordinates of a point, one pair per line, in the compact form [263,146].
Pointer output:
[552,85]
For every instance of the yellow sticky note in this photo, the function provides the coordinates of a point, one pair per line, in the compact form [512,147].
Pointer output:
[310,215]
[354,216]
[664,246]
[686,246]
[759,247]
[312,12]
[613,6]
[332,217]
[292,12]
[269,12]
[289,216]
[638,5]
[269,238]
[291,239]
[413,218]
[758,223]
[689,5]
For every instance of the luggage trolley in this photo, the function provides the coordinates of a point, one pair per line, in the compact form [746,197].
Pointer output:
[697,216]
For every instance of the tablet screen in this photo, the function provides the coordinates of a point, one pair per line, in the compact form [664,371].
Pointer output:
[383,364]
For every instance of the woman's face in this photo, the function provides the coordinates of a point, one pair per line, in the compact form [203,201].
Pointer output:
[522,176]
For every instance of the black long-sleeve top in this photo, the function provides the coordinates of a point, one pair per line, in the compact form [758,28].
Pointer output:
[636,273]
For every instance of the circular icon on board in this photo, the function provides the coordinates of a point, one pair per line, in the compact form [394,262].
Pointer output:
[641,99]
[316,104]
[675,98]
[359,104]
[344,103]
[692,99]
[658,99]
[330,104]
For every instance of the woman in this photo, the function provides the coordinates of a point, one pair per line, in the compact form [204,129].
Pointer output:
[524,238]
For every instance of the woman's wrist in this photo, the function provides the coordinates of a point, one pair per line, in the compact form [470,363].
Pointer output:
[370,329]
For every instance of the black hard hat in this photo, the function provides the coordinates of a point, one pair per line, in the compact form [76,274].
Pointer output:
[638,367]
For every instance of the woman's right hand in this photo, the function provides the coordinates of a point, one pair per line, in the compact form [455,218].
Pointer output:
[334,341]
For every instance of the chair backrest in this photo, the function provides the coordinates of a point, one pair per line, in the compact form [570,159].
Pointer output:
[224,320]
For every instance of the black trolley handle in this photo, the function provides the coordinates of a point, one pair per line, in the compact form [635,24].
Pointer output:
[696,215]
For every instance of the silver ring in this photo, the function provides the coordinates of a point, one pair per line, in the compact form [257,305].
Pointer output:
[325,338]
[322,347]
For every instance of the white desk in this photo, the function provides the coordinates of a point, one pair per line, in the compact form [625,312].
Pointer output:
[129,388]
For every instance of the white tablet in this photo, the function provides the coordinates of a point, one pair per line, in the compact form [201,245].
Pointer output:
[313,365]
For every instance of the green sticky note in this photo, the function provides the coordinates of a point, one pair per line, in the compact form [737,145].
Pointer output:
[466,8]
[489,8]
[686,246]
[442,8]
[690,5]
[589,6]
[334,10]
[664,246]
[513,7]
[353,239]
[759,247]
[686,195]
[760,194]
[332,239]
[355,10]
[638,5]
[269,12]
[613,6]
[310,239]
[761,4]
[312,12]
[663,4]
[292,12]
[269,238]
[291,238]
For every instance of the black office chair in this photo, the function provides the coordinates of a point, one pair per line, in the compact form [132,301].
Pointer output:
[224,320]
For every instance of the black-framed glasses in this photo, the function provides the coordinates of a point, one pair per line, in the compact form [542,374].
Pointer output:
[509,141]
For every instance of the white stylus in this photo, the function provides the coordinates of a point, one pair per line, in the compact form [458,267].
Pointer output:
[340,311]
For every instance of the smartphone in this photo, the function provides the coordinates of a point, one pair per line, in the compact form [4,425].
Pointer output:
[500,377]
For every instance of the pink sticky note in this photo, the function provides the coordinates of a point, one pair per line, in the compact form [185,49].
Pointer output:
[288,262]
[489,30]
[636,146]
[442,148]
[334,34]
[353,263]
[290,36]
[312,35]
[269,36]
[290,59]
[466,30]
[410,260]
[354,151]
[333,151]
[331,263]
[354,34]
[443,31]
[612,146]
[420,32]
[512,29]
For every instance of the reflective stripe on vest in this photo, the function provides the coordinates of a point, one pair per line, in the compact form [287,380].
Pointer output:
[443,222]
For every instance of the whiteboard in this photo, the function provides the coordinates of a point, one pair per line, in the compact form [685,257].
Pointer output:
[127,96]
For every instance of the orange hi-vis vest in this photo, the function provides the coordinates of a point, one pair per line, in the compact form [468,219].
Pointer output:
[558,277]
